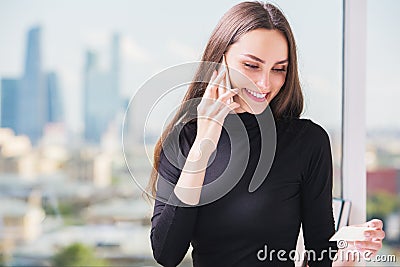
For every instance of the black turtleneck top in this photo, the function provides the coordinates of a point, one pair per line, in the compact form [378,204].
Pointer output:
[288,160]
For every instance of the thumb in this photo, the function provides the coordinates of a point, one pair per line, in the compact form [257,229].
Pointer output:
[375,223]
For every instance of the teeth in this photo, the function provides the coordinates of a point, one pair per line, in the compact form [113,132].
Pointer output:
[256,94]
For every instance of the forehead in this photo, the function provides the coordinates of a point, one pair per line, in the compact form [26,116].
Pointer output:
[269,45]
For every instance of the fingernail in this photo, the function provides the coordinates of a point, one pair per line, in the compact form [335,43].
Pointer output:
[236,90]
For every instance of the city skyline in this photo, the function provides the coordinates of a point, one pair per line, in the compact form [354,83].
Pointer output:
[64,190]
[101,93]
[144,54]
[32,100]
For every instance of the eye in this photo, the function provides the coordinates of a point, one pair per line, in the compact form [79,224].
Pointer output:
[279,69]
[251,66]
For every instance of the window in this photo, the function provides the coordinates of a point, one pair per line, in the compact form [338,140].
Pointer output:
[382,118]
[86,192]
[319,40]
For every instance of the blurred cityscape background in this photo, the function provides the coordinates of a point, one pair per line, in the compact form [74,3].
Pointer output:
[67,72]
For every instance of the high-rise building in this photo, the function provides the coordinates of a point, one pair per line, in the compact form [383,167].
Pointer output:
[32,104]
[101,94]
[55,106]
[115,65]
[9,97]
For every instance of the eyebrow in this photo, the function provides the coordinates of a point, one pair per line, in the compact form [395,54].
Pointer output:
[262,61]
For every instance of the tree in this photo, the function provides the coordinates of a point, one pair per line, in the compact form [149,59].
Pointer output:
[2,260]
[77,254]
[381,204]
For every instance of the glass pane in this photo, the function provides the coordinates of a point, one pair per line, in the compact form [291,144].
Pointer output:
[68,69]
[383,123]
[320,64]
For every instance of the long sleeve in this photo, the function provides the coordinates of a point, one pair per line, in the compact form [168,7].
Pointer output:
[172,224]
[316,194]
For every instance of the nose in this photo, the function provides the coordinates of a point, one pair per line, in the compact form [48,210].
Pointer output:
[263,83]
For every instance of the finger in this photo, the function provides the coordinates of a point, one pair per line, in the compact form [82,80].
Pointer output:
[219,78]
[228,94]
[214,84]
[366,253]
[221,87]
[207,107]
[375,223]
[376,234]
[208,92]
[226,109]
[368,245]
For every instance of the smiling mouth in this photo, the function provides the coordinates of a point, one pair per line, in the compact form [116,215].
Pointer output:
[256,96]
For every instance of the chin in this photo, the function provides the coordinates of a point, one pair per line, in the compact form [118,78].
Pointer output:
[256,110]
[253,107]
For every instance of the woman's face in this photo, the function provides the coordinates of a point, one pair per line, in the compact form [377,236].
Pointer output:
[261,57]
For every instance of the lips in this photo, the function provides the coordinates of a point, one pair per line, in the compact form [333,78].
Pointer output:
[258,97]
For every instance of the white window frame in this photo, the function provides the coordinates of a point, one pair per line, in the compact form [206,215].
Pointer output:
[354,107]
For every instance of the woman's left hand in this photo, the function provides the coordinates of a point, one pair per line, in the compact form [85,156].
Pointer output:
[368,247]
[373,238]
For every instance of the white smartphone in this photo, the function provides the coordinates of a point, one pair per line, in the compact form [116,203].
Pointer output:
[227,78]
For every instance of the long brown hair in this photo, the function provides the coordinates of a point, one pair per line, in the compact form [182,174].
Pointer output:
[237,21]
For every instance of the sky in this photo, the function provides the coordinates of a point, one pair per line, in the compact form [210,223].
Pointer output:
[158,34]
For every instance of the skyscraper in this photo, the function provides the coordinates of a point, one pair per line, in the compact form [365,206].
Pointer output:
[32,104]
[9,98]
[101,93]
[55,111]
[115,64]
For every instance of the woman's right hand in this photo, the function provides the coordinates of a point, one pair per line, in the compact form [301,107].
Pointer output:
[212,110]
[211,113]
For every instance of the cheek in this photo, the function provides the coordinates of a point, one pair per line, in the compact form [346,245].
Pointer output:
[278,81]
[239,80]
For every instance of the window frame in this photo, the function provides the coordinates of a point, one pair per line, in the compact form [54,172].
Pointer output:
[354,107]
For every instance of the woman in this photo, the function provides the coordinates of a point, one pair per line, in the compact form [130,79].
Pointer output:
[228,135]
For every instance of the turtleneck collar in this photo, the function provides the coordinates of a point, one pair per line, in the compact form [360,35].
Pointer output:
[250,120]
